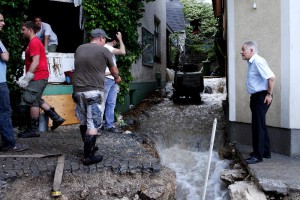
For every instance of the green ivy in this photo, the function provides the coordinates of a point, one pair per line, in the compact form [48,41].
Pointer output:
[202,42]
[14,15]
[121,15]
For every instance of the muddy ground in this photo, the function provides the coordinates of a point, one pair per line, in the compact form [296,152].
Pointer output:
[155,114]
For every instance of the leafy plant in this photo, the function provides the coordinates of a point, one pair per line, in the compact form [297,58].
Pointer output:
[14,15]
[121,15]
[203,41]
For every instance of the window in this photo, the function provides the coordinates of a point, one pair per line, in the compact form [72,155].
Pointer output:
[148,48]
[157,39]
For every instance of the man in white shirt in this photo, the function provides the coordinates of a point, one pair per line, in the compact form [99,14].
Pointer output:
[46,35]
[260,84]
[111,88]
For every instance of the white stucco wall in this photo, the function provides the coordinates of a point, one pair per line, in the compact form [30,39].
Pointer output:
[275,26]
[145,73]
[290,70]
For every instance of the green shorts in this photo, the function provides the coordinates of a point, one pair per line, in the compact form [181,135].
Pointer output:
[32,94]
[52,48]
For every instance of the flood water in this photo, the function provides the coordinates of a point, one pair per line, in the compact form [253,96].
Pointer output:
[182,136]
[190,168]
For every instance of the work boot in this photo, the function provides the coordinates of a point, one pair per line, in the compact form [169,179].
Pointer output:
[33,131]
[83,129]
[24,113]
[57,120]
[89,154]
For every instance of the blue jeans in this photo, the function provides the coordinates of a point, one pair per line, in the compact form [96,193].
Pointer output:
[111,90]
[6,128]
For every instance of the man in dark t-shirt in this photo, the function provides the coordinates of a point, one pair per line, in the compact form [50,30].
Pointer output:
[88,84]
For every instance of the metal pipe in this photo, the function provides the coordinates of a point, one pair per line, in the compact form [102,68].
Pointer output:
[212,139]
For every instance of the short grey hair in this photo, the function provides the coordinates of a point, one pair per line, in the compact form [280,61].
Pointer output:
[251,44]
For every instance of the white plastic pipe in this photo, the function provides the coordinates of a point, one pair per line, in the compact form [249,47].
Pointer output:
[212,139]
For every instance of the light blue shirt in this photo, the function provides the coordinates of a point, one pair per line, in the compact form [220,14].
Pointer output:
[2,64]
[47,30]
[258,74]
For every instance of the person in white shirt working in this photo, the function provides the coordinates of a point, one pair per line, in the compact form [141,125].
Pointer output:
[111,88]
[46,35]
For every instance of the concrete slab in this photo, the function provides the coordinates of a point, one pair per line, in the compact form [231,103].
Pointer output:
[279,174]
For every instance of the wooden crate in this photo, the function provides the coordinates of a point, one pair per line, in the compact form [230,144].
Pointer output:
[64,106]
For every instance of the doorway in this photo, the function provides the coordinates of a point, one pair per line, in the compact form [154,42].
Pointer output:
[64,20]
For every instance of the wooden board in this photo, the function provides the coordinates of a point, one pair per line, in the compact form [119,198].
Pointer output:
[58,176]
[64,106]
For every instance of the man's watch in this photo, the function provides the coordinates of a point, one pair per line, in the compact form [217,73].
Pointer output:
[269,93]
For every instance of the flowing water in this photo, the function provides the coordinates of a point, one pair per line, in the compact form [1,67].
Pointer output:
[190,167]
[182,136]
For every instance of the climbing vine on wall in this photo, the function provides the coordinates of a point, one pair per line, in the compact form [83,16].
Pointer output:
[14,15]
[123,16]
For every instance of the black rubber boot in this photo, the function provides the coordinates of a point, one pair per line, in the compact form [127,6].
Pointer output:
[83,129]
[24,113]
[33,131]
[89,154]
[57,120]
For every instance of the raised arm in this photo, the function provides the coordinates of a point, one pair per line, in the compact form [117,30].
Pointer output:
[121,50]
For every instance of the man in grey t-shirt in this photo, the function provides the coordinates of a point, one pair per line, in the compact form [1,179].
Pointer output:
[88,84]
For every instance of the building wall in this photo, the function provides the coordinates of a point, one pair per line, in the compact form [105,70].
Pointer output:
[290,70]
[262,25]
[145,73]
[274,25]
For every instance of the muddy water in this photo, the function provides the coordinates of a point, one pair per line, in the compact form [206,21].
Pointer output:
[182,136]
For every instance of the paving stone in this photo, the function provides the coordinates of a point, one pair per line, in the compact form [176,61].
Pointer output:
[122,154]
[93,168]
[74,166]
[42,166]
[67,166]
[27,171]
[20,173]
[2,175]
[11,174]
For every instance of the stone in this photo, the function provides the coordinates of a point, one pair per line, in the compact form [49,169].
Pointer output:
[246,191]
[229,176]
[273,185]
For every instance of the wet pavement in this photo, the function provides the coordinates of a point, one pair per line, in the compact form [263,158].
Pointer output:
[122,153]
[280,174]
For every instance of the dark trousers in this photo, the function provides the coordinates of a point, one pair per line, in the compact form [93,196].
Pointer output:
[260,134]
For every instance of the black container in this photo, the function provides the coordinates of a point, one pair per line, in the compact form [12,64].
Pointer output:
[189,68]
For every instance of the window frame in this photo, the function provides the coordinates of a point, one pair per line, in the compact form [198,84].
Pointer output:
[147,48]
